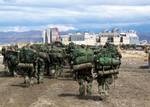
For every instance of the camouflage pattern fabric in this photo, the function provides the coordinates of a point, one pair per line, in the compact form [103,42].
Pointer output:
[107,62]
[39,66]
[103,85]
[85,79]
[4,55]
[29,74]
[12,61]
[149,58]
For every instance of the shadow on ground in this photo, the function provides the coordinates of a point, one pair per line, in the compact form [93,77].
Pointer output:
[5,74]
[66,79]
[144,67]
[23,85]
[94,98]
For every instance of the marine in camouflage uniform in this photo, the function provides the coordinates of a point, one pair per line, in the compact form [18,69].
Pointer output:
[51,54]
[82,75]
[11,57]
[105,80]
[39,66]
[4,57]
[149,58]
[32,65]
[56,56]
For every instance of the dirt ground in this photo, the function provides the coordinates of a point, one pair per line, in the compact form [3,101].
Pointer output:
[131,89]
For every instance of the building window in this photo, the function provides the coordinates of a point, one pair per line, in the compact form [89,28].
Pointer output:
[69,38]
[110,39]
[121,39]
[98,39]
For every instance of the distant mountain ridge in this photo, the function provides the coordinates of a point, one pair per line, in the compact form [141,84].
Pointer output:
[23,34]
[14,37]
[144,36]
[36,36]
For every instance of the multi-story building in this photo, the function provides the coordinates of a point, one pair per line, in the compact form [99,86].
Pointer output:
[115,37]
[118,38]
[129,38]
[51,35]
[111,37]
[83,38]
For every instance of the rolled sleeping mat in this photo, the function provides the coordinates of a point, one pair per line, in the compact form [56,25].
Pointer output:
[23,65]
[108,72]
[82,66]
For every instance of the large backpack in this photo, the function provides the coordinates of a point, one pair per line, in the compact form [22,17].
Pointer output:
[27,55]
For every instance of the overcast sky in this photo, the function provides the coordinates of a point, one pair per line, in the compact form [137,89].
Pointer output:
[22,15]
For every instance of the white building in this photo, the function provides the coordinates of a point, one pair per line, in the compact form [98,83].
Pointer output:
[112,37]
[117,38]
[51,35]
[130,38]
[83,38]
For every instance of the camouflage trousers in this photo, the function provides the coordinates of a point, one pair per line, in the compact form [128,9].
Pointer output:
[12,70]
[85,85]
[56,71]
[149,60]
[103,84]
[34,73]
[39,69]
[29,75]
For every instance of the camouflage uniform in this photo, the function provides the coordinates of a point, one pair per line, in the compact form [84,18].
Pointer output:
[103,84]
[4,56]
[149,58]
[39,66]
[82,75]
[34,65]
[56,56]
[29,73]
[105,80]
[12,61]
[58,71]
[85,79]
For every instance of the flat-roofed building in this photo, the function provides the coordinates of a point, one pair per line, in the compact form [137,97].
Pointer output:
[111,37]
[83,38]
[130,38]
[118,38]
[51,35]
